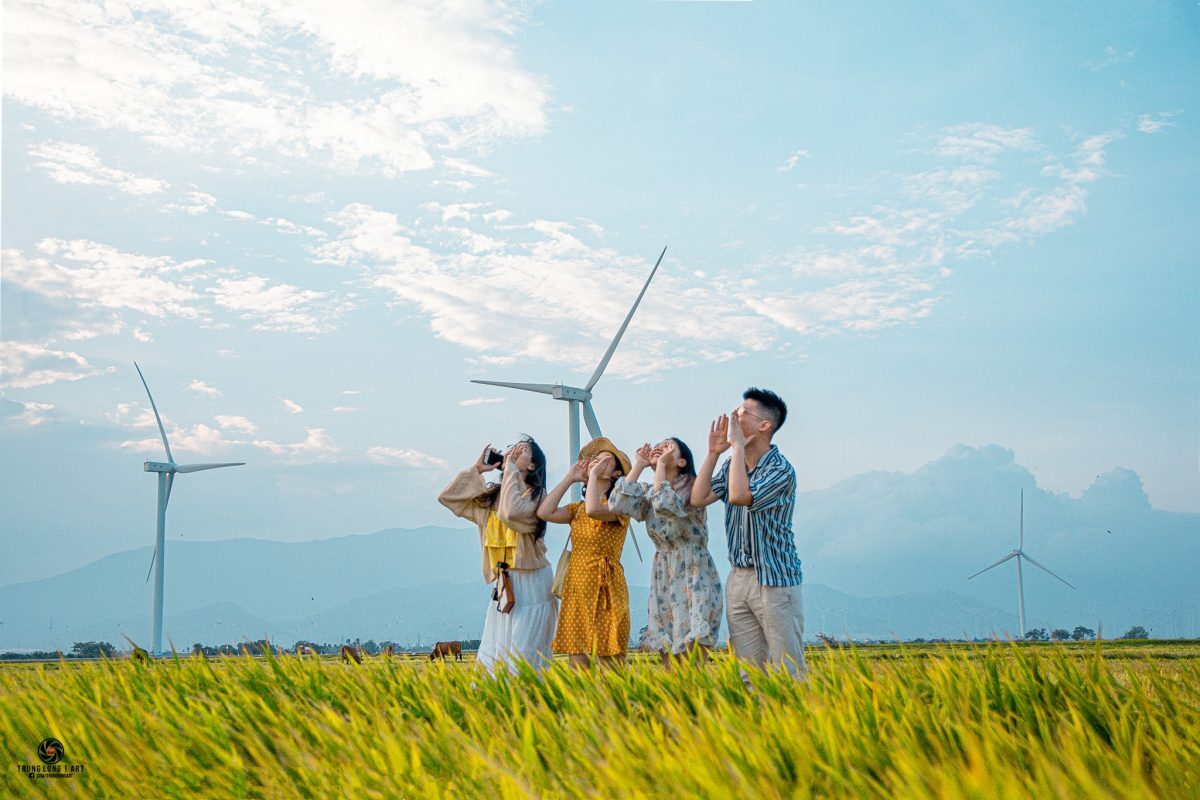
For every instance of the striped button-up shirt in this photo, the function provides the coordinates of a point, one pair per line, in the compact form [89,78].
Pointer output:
[760,535]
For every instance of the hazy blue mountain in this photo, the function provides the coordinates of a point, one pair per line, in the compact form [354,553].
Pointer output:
[884,553]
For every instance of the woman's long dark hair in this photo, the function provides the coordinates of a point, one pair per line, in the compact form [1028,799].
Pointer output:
[685,452]
[536,480]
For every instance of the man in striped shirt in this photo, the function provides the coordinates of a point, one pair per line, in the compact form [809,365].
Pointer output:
[763,602]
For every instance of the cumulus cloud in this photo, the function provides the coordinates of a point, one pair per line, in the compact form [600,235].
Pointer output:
[235,423]
[202,389]
[24,365]
[506,300]
[199,439]
[79,164]
[407,458]
[317,446]
[34,414]
[94,276]
[291,407]
[390,83]
[279,307]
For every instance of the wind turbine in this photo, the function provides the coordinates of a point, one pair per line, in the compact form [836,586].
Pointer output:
[166,478]
[576,397]
[1020,554]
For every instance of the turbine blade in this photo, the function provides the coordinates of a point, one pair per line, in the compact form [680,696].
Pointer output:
[166,446]
[1043,569]
[1013,554]
[589,419]
[167,494]
[153,556]
[617,339]
[633,536]
[200,468]
[540,388]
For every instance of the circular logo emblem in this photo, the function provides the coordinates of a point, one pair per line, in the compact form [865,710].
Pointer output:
[50,751]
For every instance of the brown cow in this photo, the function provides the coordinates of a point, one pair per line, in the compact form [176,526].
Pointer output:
[348,653]
[444,649]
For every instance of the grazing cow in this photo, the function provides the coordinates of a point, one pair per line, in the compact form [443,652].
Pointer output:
[444,649]
[304,650]
[388,651]
[349,653]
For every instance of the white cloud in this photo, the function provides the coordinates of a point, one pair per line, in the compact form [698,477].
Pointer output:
[79,164]
[317,446]
[1148,124]
[360,84]
[280,307]
[202,389]
[236,423]
[343,409]
[199,439]
[479,401]
[290,407]
[506,300]
[24,365]
[408,458]
[95,276]
[791,161]
[194,204]
[33,415]
[350,391]
[467,168]
[982,142]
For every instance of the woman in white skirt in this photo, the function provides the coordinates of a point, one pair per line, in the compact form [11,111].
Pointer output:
[521,613]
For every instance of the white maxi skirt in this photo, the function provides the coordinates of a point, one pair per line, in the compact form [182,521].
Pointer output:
[525,632]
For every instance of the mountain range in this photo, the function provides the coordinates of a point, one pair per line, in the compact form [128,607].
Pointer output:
[884,554]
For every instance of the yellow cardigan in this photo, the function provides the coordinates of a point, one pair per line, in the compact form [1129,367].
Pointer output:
[515,508]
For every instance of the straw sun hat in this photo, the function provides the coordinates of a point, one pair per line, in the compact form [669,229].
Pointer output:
[602,444]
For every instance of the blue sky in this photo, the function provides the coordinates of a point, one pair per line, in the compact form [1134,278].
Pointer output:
[313,226]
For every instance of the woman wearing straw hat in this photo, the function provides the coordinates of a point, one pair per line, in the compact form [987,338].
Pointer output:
[594,617]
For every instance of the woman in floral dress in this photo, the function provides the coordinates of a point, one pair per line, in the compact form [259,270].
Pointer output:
[685,589]
[593,621]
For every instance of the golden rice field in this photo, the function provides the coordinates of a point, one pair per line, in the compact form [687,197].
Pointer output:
[991,721]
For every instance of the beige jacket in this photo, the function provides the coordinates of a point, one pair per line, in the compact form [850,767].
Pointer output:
[515,507]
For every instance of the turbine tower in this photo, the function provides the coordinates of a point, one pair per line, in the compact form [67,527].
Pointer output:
[166,478]
[576,397]
[1020,554]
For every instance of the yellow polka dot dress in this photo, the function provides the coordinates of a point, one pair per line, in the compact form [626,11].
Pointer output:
[594,616]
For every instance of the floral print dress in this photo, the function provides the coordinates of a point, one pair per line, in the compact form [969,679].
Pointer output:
[685,589]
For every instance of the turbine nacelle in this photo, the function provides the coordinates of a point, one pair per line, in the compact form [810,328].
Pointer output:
[571,393]
[157,466]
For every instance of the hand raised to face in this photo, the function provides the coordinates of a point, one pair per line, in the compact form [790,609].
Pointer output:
[578,471]
[600,466]
[737,437]
[482,465]
[644,454]
[718,435]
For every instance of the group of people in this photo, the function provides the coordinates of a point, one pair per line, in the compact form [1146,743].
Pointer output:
[525,620]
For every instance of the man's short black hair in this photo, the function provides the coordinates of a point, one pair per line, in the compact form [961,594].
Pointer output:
[772,403]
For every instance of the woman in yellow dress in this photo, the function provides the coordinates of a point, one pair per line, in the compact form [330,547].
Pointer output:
[593,619]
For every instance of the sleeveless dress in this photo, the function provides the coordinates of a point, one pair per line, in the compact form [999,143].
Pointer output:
[594,616]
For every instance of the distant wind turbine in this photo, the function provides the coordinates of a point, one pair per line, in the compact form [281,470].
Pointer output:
[576,397]
[166,478]
[1019,554]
